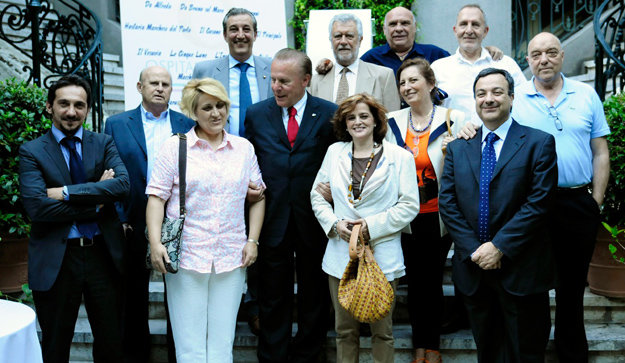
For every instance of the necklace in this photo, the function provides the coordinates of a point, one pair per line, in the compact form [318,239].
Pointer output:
[350,196]
[429,123]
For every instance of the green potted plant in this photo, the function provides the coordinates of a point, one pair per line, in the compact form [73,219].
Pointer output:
[22,118]
[606,275]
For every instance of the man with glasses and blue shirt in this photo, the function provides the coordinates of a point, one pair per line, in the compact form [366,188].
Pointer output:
[573,113]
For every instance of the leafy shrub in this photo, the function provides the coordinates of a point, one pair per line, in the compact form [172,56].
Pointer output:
[378,11]
[22,118]
[614,205]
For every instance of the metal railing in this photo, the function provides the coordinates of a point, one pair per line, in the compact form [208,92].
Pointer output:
[64,40]
[609,23]
[560,17]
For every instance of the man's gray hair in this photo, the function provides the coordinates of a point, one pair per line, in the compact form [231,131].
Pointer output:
[239,11]
[345,18]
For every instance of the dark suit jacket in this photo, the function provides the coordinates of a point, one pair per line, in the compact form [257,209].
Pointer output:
[521,192]
[126,129]
[42,166]
[289,172]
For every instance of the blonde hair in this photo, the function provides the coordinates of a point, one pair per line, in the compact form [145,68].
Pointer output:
[192,90]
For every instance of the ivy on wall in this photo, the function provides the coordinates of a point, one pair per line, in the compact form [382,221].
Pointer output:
[378,10]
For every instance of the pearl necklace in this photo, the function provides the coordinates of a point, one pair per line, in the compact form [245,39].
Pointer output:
[350,196]
[429,123]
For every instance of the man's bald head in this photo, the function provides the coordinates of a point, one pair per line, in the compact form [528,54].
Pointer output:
[155,88]
[400,29]
[545,57]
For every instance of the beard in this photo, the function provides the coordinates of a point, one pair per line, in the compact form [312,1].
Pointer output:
[346,60]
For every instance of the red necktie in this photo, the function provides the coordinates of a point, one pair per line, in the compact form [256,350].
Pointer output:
[292,126]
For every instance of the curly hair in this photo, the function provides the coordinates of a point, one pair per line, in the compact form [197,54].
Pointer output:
[192,90]
[339,121]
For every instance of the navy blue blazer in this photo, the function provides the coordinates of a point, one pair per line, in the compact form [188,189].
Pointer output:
[42,166]
[289,172]
[521,193]
[126,129]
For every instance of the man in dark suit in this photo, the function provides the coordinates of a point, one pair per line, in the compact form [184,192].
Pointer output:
[496,212]
[69,180]
[138,135]
[291,133]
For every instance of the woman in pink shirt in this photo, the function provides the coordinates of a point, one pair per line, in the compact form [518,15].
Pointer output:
[205,294]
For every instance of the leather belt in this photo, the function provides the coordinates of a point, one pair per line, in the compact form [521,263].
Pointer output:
[84,241]
[576,189]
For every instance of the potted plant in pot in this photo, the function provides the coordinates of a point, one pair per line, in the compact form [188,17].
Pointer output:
[606,274]
[22,118]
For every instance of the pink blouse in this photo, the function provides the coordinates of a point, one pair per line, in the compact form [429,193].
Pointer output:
[217,182]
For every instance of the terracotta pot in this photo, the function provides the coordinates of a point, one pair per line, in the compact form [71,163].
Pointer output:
[606,276]
[13,264]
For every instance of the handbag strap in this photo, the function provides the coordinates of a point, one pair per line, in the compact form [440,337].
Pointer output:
[447,119]
[182,171]
[353,241]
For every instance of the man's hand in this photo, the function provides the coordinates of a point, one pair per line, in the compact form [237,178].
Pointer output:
[324,66]
[487,256]
[255,193]
[108,174]
[495,52]
[446,140]
[468,131]
[325,191]
[56,193]
[127,229]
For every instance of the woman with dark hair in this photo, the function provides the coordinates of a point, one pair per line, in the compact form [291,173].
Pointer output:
[372,184]
[424,128]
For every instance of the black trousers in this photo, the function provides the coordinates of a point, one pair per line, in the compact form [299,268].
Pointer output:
[275,295]
[85,272]
[574,232]
[136,332]
[508,328]
[425,253]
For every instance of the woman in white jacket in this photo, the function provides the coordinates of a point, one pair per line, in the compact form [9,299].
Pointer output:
[373,184]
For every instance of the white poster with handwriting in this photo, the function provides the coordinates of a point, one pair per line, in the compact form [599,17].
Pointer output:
[177,34]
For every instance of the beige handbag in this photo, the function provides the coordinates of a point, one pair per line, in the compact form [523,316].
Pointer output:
[364,291]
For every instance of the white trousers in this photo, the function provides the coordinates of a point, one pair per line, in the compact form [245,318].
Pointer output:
[203,312]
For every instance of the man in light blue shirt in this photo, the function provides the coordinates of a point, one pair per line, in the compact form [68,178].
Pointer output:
[572,112]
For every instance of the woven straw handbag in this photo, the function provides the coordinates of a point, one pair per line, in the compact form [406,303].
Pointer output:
[364,291]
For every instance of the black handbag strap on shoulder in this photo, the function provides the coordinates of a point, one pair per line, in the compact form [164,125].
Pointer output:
[182,172]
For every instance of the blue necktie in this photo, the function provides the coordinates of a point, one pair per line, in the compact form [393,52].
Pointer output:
[245,96]
[77,172]
[489,159]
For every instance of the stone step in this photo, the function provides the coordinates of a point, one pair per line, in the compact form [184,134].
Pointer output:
[606,344]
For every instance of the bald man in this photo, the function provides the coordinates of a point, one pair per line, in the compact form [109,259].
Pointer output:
[138,135]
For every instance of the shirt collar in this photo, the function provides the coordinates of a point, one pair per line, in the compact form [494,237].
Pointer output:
[59,135]
[415,49]
[501,131]
[193,139]
[566,86]
[484,56]
[352,67]
[148,116]
[299,106]
[233,62]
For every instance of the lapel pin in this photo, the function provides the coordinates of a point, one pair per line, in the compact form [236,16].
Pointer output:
[314,114]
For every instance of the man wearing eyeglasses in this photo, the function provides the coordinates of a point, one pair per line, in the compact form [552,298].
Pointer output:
[572,112]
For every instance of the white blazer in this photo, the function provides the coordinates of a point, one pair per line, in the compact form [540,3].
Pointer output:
[389,202]
[438,130]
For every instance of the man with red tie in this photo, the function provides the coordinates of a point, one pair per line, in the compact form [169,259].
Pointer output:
[291,132]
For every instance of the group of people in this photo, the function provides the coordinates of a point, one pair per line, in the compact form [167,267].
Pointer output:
[420,148]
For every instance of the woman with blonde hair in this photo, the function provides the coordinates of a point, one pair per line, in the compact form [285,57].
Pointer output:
[204,295]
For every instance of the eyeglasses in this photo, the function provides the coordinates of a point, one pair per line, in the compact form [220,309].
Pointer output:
[556,119]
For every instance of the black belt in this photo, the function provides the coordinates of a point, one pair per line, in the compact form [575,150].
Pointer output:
[84,241]
[581,189]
